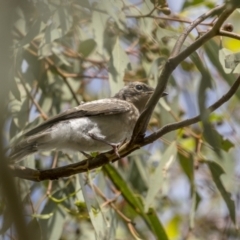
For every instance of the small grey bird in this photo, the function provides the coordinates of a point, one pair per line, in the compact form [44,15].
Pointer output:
[93,126]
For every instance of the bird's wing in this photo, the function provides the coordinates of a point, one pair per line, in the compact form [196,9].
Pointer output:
[95,108]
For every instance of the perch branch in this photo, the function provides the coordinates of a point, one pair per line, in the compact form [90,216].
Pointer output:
[104,158]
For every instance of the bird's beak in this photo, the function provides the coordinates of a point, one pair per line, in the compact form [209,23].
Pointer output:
[150,92]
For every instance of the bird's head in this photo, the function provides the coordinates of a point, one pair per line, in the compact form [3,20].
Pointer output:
[137,93]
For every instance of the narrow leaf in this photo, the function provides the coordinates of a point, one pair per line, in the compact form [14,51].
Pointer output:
[156,180]
[217,171]
[150,218]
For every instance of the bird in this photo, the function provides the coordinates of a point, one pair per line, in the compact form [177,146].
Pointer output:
[95,126]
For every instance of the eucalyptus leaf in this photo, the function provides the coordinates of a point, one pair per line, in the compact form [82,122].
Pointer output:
[187,165]
[86,47]
[214,54]
[23,114]
[98,21]
[34,229]
[65,19]
[34,31]
[14,90]
[156,179]
[51,228]
[190,4]
[136,203]
[117,66]
[232,61]
[95,213]
[7,221]
[137,173]
[216,171]
[205,83]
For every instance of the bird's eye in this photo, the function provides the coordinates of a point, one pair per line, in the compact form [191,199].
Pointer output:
[139,87]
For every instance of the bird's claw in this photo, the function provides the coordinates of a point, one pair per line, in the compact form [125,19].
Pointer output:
[115,149]
[86,154]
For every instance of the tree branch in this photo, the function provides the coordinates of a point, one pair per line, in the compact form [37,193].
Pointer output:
[174,126]
[229,34]
[104,158]
[44,116]
[173,61]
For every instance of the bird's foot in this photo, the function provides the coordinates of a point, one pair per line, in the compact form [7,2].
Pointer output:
[123,142]
[115,149]
[86,154]
[101,139]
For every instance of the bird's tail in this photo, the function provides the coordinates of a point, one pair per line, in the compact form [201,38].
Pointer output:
[21,150]
[28,146]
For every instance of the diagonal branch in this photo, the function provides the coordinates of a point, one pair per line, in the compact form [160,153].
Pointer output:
[195,23]
[43,114]
[174,126]
[104,158]
[172,63]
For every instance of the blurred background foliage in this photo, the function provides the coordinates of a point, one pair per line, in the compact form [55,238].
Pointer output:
[184,185]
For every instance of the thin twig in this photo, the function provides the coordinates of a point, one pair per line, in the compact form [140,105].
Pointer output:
[174,18]
[111,203]
[64,77]
[49,188]
[195,23]
[229,34]
[44,116]
[50,62]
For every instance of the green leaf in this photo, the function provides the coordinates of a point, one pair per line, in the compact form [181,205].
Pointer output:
[194,205]
[52,227]
[65,18]
[187,165]
[23,114]
[157,178]
[84,3]
[97,216]
[232,61]
[205,83]
[225,144]
[216,171]
[222,143]
[14,90]
[212,137]
[13,129]
[34,229]
[98,21]
[137,174]
[86,47]
[195,3]
[212,50]
[6,220]
[114,14]
[206,80]
[117,66]
[42,216]
[156,224]
[151,220]
[44,10]
[34,31]
[51,33]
